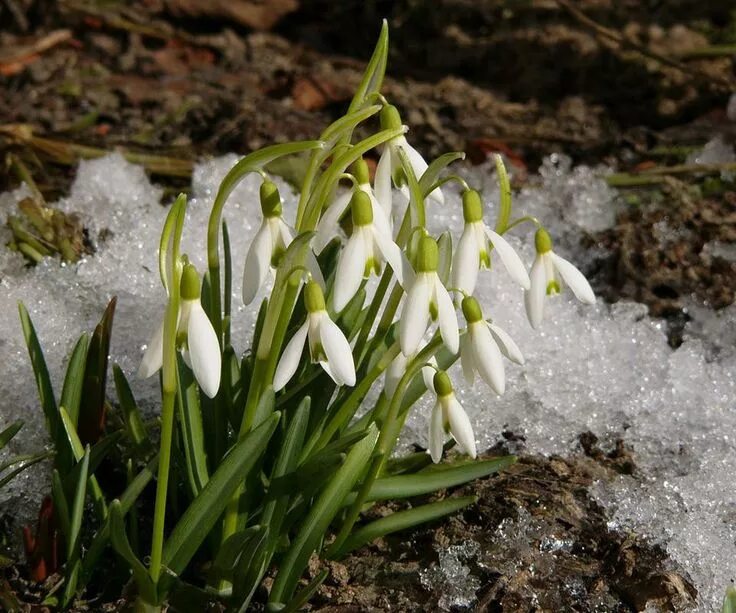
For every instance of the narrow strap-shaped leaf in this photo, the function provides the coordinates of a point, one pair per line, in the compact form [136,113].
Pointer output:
[61,506]
[320,515]
[71,393]
[45,391]
[401,520]
[266,406]
[190,422]
[302,597]
[229,552]
[504,210]
[227,283]
[427,180]
[132,417]
[729,602]
[97,454]
[374,72]
[406,486]
[20,464]
[119,540]
[199,518]
[73,544]
[9,432]
[126,502]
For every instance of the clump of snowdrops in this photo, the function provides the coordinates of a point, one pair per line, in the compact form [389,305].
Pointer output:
[261,460]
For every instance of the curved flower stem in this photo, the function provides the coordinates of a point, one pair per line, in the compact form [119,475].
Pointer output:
[169,387]
[504,214]
[521,220]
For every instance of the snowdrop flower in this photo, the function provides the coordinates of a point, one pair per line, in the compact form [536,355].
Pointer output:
[389,165]
[481,348]
[476,242]
[195,338]
[367,248]
[548,271]
[426,298]
[327,344]
[449,415]
[329,224]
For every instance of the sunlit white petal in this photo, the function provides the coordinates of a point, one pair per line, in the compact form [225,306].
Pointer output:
[153,357]
[487,357]
[436,433]
[382,181]
[534,296]
[350,269]
[574,278]
[415,317]
[328,226]
[506,344]
[289,361]
[381,220]
[460,426]
[466,358]
[257,263]
[510,259]
[394,372]
[392,254]
[204,350]
[337,349]
[466,261]
[419,166]
[447,317]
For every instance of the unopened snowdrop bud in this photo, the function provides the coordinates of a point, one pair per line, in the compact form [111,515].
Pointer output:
[427,299]
[548,272]
[328,346]
[269,244]
[474,248]
[201,348]
[366,250]
[482,346]
[389,165]
[359,169]
[448,415]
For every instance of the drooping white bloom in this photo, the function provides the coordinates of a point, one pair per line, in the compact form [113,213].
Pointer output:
[474,249]
[548,272]
[481,348]
[269,244]
[364,253]
[449,415]
[427,298]
[196,339]
[327,344]
[389,165]
[328,226]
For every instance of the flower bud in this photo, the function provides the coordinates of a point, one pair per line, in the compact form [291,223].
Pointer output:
[270,199]
[472,206]
[360,171]
[190,286]
[471,310]
[442,384]
[390,118]
[542,241]
[427,255]
[314,299]
[362,208]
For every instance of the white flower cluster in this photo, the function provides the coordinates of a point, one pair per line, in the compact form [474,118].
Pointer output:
[372,242]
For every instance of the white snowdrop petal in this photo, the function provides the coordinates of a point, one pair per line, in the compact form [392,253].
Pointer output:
[331,372]
[466,358]
[447,317]
[428,373]
[510,259]
[466,261]
[204,350]
[534,296]
[392,254]
[506,344]
[286,234]
[337,349]
[153,357]
[313,267]
[419,165]
[257,263]
[382,181]
[415,316]
[381,221]
[394,372]
[350,269]
[487,357]
[574,278]
[289,361]
[328,226]
[436,433]
[460,426]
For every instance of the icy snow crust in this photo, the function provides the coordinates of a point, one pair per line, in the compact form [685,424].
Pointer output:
[606,368]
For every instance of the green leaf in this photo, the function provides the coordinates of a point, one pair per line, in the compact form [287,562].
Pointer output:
[91,422]
[190,423]
[132,417]
[504,211]
[444,244]
[374,72]
[320,515]
[21,464]
[227,282]
[199,518]
[73,547]
[61,506]
[9,432]
[405,486]
[71,393]
[97,454]
[401,520]
[430,176]
[416,196]
[119,540]
[230,552]
[729,602]
[303,596]
[45,391]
